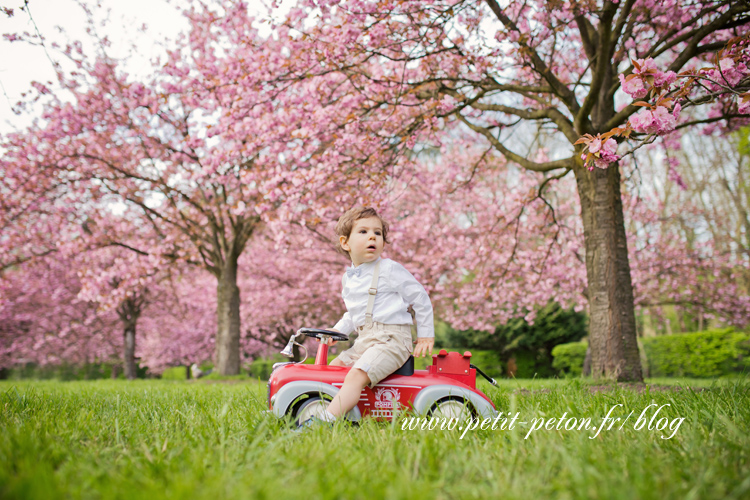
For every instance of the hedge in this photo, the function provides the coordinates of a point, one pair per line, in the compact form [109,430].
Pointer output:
[68,372]
[704,354]
[568,358]
[700,354]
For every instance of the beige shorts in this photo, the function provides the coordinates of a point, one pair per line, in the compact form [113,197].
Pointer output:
[379,350]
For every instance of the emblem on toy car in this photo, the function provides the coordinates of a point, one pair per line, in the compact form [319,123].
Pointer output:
[387,400]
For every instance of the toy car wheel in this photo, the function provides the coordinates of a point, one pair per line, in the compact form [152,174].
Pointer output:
[312,407]
[448,408]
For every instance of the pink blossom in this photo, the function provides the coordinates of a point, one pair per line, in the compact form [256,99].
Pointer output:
[657,121]
[600,154]
[646,65]
[633,87]
[664,119]
[601,163]
[726,64]
[730,73]
[610,147]
[664,79]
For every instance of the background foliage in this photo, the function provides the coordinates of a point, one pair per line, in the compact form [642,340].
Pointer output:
[528,344]
[706,354]
[700,354]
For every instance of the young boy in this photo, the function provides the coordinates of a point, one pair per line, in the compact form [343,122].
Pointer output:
[377,293]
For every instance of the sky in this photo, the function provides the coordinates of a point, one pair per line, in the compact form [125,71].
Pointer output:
[20,64]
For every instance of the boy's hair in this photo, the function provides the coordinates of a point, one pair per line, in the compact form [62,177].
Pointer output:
[346,223]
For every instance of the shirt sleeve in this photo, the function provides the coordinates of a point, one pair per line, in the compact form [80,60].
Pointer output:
[415,295]
[345,324]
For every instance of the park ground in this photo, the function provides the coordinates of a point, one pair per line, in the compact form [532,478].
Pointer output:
[212,440]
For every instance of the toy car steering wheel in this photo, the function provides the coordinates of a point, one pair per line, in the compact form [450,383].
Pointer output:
[319,334]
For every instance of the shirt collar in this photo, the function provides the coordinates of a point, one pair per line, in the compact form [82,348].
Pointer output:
[357,271]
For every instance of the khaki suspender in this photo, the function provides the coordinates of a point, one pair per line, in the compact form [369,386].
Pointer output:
[372,292]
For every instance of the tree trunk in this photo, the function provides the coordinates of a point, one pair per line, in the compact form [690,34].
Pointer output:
[129,311]
[128,358]
[228,320]
[612,332]
[586,372]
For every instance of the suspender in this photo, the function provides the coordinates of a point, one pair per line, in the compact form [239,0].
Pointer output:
[372,292]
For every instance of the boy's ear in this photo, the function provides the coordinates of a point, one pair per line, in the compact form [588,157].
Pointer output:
[343,242]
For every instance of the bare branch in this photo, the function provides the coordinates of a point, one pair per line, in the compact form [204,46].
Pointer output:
[602,65]
[511,156]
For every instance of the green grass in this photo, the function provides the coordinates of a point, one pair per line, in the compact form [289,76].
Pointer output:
[195,440]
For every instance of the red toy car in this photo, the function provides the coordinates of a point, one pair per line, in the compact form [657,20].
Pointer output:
[446,389]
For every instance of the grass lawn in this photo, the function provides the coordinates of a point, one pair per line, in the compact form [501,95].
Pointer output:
[195,440]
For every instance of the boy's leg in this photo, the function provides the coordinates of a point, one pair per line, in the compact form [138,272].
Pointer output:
[348,395]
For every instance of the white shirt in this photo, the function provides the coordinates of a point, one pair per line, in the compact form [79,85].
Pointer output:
[397,290]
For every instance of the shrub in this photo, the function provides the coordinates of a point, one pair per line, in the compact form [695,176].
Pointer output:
[68,372]
[529,345]
[568,358]
[175,373]
[488,361]
[701,354]
[261,368]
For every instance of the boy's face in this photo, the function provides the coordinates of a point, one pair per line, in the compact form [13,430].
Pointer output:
[365,244]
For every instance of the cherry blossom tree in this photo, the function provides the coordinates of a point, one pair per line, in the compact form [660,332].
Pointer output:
[495,69]
[89,301]
[43,320]
[200,175]
[49,316]
[177,326]
[451,225]
[689,228]
[462,231]
[115,279]
[673,267]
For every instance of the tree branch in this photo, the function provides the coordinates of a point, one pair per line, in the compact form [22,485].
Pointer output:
[561,90]
[601,66]
[514,157]
[553,114]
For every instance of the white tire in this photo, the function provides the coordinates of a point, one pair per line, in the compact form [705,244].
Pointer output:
[452,408]
[313,407]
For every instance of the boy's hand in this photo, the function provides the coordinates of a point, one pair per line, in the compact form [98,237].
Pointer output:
[424,347]
[331,341]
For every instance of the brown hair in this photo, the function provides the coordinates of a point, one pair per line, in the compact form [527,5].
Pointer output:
[346,223]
